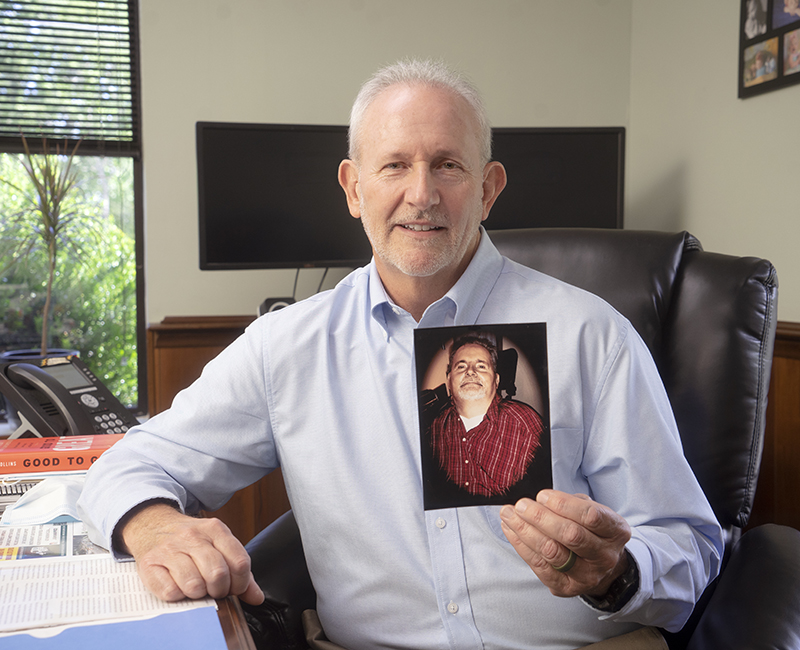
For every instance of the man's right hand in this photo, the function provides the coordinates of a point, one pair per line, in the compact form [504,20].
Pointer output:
[178,556]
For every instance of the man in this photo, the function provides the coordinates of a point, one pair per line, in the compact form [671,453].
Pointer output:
[325,390]
[483,444]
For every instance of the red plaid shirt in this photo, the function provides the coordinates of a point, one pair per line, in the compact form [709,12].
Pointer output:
[490,458]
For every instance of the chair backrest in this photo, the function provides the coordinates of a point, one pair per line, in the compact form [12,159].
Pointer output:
[708,319]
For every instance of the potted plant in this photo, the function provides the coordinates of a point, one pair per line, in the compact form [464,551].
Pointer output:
[43,225]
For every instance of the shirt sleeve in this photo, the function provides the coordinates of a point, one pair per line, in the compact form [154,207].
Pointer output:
[634,463]
[214,440]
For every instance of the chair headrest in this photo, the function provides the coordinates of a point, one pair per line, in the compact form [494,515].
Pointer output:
[634,271]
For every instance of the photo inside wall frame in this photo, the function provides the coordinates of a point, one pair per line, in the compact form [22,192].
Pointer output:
[769,46]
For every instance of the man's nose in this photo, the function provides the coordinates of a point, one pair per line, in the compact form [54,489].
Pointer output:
[422,192]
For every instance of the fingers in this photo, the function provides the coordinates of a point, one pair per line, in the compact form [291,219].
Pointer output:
[171,579]
[544,532]
[179,556]
[237,562]
[253,595]
[200,559]
[594,517]
[540,550]
[534,555]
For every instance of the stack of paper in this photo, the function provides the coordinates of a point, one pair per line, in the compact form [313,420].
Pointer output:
[95,589]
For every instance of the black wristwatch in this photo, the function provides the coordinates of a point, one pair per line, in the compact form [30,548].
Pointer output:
[620,591]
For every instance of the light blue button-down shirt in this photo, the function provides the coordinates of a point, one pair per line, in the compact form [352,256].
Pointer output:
[325,389]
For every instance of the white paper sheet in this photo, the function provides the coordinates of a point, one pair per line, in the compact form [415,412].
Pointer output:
[61,591]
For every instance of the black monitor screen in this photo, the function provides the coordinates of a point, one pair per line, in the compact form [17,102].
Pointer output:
[559,178]
[269,195]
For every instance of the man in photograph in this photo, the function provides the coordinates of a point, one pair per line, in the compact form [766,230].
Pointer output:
[483,443]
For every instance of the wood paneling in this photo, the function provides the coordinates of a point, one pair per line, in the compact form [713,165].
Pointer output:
[179,347]
[778,491]
[177,350]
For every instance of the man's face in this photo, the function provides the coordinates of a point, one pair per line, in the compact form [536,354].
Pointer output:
[472,377]
[418,185]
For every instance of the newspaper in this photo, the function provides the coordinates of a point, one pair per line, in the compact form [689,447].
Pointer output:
[46,540]
[79,589]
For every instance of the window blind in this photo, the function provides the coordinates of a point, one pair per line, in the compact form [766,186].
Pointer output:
[69,69]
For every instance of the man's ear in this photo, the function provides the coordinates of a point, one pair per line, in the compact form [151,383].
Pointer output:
[494,180]
[348,179]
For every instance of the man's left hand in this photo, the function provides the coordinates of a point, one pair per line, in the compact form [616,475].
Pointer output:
[545,530]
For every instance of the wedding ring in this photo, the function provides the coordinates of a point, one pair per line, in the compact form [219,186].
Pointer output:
[568,564]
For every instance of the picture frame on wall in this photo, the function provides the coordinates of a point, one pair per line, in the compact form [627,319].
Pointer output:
[769,46]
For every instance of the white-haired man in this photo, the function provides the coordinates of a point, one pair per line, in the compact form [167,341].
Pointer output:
[325,390]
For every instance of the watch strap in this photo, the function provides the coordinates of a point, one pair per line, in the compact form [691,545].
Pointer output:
[621,590]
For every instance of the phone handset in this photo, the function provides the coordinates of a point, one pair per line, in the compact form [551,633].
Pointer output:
[28,376]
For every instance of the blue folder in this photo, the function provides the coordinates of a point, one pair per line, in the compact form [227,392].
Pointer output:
[192,629]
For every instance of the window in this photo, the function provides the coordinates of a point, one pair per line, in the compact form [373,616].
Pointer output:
[69,74]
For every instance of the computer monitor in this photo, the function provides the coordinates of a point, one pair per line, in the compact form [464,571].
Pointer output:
[269,195]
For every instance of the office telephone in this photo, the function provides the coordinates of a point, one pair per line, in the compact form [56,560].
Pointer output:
[61,397]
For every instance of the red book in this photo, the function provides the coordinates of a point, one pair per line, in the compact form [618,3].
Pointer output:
[55,454]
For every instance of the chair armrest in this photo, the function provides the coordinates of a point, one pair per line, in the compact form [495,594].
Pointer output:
[279,566]
[757,600]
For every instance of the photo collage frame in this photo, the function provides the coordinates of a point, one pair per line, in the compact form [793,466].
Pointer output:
[769,46]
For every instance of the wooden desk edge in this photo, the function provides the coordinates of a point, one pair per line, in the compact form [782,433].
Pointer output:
[234,625]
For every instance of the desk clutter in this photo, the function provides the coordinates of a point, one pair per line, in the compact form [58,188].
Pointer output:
[41,519]
[60,590]
[13,489]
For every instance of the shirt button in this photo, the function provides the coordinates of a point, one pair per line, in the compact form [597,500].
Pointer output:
[452,607]
[440,523]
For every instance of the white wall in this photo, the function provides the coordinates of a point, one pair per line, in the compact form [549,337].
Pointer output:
[538,62]
[699,158]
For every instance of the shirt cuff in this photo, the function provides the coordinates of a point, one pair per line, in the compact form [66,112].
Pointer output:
[639,553]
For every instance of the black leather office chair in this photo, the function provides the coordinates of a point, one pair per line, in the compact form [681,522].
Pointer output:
[709,320]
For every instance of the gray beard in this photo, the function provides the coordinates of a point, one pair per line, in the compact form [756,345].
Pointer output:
[411,264]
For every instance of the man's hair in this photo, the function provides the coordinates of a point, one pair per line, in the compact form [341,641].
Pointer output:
[472,339]
[415,72]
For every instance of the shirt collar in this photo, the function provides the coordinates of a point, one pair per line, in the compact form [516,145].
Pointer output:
[467,295]
[472,289]
[494,407]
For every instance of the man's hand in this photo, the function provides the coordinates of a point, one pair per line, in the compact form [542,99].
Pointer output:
[544,531]
[178,556]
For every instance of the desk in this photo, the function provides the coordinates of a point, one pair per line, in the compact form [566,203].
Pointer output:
[234,626]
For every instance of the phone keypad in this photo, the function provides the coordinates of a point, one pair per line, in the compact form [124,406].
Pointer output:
[109,423]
